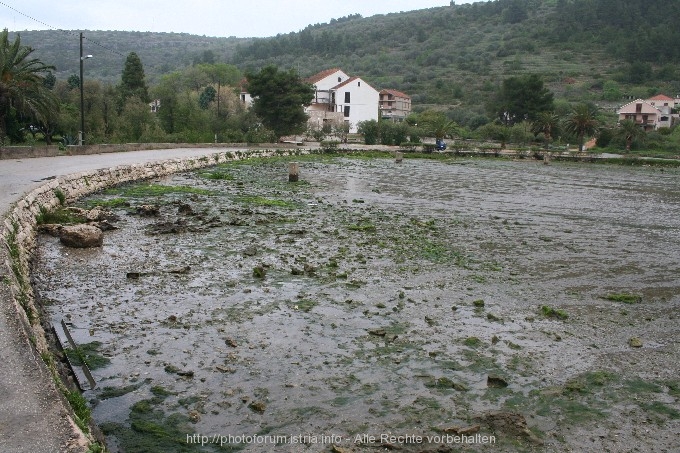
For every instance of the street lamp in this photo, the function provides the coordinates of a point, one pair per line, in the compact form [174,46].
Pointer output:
[82,98]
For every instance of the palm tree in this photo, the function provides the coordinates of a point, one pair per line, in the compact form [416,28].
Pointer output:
[437,124]
[582,122]
[21,83]
[630,132]
[546,123]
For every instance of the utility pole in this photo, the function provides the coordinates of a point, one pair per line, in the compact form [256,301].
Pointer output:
[82,97]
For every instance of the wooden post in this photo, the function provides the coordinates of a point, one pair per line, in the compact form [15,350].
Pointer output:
[293,172]
[399,157]
[546,158]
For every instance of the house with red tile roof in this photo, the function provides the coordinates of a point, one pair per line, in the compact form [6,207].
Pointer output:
[340,98]
[394,105]
[662,102]
[647,113]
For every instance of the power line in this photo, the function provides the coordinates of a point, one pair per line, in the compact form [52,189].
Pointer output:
[68,32]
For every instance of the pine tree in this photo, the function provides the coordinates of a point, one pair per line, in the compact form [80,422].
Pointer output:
[133,84]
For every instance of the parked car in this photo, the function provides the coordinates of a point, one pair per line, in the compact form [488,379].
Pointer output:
[440,145]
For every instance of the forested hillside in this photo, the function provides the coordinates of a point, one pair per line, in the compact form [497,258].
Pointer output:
[453,56]
[161,53]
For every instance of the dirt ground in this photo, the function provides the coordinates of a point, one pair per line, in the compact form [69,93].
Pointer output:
[432,305]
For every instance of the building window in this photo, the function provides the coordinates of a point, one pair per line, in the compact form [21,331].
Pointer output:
[347,101]
[358,84]
[347,111]
[339,79]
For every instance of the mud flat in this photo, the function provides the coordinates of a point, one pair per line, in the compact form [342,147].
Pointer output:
[377,305]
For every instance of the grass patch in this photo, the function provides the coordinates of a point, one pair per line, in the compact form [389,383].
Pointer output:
[472,342]
[554,313]
[659,408]
[155,190]
[61,196]
[626,298]
[305,305]
[109,203]
[363,226]
[588,382]
[60,215]
[87,354]
[268,202]
[639,386]
[572,410]
[159,390]
[114,392]
[79,405]
[217,176]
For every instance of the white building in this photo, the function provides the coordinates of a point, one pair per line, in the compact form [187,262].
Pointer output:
[339,97]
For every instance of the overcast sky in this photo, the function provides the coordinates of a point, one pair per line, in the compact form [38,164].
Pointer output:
[255,18]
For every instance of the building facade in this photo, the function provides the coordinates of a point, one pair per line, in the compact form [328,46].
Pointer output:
[341,98]
[394,105]
[647,114]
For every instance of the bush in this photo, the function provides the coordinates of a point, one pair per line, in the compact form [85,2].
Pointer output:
[409,146]
[604,138]
[329,146]
[370,131]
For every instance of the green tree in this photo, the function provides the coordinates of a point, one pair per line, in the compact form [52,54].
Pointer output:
[521,98]
[22,89]
[207,96]
[135,121]
[582,121]
[279,99]
[133,83]
[73,81]
[437,124]
[393,133]
[611,91]
[167,92]
[495,131]
[515,12]
[370,130]
[604,137]
[630,132]
[546,123]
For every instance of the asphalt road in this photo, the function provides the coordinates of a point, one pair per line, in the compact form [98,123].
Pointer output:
[32,419]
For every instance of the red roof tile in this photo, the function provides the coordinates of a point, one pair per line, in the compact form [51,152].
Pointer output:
[396,93]
[660,97]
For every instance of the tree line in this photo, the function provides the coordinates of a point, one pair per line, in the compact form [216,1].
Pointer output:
[201,104]
[197,104]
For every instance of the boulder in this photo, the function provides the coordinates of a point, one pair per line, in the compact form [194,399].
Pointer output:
[81,236]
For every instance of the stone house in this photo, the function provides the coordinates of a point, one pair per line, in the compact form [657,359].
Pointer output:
[394,105]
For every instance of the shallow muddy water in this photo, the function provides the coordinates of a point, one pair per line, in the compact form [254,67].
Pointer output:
[372,298]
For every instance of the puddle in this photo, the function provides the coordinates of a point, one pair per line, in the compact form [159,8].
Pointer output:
[343,305]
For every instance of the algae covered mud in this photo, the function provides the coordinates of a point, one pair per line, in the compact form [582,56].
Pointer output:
[424,306]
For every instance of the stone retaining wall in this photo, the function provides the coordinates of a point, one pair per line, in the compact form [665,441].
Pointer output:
[18,233]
